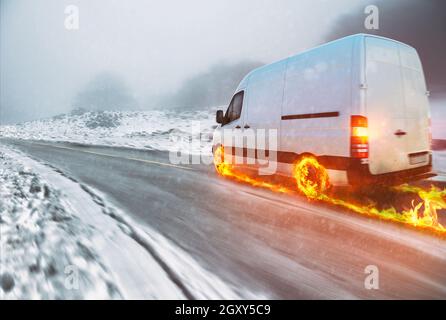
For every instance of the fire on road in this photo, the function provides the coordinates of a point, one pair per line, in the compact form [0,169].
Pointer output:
[421,213]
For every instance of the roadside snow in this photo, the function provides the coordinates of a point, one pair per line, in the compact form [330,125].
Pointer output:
[161,130]
[42,244]
[45,232]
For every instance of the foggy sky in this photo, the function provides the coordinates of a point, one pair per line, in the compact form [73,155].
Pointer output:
[421,24]
[153,45]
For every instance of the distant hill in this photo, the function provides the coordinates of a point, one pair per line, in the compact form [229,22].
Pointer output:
[211,88]
[106,91]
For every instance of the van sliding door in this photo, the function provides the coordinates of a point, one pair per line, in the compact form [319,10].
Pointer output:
[265,94]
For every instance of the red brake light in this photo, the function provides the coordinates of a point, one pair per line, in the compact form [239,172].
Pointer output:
[359,142]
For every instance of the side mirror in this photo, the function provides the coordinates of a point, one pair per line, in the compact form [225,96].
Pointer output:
[219,116]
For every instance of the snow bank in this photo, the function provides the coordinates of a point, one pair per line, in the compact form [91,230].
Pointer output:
[161,130]
[46,251]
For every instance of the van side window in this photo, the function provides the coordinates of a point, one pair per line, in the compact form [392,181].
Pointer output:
[228,113]
[234,110]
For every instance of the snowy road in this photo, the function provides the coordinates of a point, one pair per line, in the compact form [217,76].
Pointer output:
[278,245]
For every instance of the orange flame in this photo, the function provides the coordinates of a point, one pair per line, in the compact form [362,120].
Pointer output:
[312,180]
[225,169]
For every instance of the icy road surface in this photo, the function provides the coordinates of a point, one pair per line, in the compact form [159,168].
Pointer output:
[272,245]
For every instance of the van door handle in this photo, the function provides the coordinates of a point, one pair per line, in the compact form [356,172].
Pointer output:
[400,133]
[246,126]
[238,127]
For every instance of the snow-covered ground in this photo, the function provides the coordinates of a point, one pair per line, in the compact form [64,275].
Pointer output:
[43,244]
[161,130]
[61,239]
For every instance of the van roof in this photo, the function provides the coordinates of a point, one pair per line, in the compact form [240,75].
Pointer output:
[350,37]
[376,36]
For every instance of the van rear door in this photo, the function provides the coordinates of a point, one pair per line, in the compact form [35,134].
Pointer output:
[416,106]
[396,107]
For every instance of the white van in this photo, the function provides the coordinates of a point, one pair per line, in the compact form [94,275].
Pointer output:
[359,105]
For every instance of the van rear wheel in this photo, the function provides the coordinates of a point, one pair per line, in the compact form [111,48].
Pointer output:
[311,177]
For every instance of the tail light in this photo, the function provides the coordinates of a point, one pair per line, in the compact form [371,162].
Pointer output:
[359,142]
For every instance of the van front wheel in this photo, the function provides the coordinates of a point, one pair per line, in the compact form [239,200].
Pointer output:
[219,159]
[311,177]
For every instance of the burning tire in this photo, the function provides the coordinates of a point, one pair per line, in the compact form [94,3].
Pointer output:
[219,157]
[311,177]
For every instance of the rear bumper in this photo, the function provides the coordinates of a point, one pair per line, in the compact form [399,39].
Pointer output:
[359,174]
